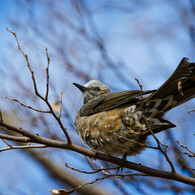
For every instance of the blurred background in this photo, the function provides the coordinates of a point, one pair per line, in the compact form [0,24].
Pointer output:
[106,40]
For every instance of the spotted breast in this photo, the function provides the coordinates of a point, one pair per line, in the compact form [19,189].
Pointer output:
[108,131]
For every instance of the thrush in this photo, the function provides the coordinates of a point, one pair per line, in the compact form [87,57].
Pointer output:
[119,123]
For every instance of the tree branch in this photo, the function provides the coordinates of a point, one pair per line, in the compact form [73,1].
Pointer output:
[47,90]
[86,152]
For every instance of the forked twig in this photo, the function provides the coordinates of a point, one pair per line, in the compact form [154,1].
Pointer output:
[7,143]
[45,99]
[185,147]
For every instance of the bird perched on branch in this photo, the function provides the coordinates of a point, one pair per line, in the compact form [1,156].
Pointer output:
[119,123]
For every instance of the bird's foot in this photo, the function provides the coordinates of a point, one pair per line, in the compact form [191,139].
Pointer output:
[124,158]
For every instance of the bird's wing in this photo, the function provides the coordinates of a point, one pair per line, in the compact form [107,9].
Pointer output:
[110,101]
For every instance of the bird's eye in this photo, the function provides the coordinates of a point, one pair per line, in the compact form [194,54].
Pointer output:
[96,89]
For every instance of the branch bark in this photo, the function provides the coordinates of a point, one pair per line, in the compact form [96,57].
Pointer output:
[86,152]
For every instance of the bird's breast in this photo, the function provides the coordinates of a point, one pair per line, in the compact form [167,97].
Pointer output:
[107,132]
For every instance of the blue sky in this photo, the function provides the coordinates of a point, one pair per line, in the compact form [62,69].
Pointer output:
[6,11]
[130,39]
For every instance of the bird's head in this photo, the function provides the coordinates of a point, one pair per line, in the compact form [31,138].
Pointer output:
[92,89]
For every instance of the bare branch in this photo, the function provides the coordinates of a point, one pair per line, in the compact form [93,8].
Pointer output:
[47,71]
[37,110]
[28,63]
[86,152]
[36,91]
[15,138]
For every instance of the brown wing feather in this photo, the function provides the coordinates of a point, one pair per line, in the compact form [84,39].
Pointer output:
[110,101]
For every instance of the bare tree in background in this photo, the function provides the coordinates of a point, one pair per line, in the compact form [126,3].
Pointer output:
[77,51]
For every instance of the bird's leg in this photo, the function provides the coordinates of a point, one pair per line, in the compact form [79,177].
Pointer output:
[124,158]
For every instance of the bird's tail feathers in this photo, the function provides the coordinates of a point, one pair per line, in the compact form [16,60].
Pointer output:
[179,88]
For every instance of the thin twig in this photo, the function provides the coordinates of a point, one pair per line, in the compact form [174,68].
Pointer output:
[22,104]
[47,72]
[36,91]
[109,168]
[185,147]
[105,177]
[133,141]
[65,192]
[191,111]
[89,163]
[97,169]
[1,116]
[23,147]
[28,63]
[7,143]
[91,172]
[60,105]
[164,152]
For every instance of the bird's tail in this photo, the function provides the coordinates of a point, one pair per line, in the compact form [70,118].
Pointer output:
[179,88]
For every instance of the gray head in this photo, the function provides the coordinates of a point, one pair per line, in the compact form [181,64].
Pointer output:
[93,88]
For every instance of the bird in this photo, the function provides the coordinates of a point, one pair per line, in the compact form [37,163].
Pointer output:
[118,123]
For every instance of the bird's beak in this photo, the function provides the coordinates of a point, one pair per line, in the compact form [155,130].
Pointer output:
[82,88]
